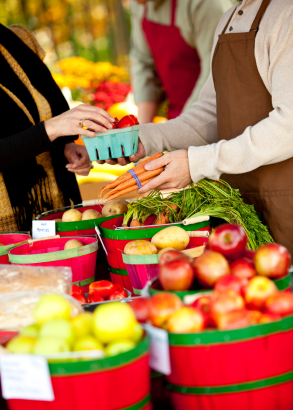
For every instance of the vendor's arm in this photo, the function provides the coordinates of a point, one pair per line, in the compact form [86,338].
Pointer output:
[146,84]
[205,16]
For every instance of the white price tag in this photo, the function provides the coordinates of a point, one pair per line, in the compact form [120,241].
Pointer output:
[42,229]
[159,354]
[25,377]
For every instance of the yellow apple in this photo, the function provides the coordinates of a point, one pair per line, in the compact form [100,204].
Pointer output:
[114,321]
[120,346]
[59,328]
[31,331]
[138,333]
[21,345]
[82,325]
[49,345]
[87,343]
[50,307]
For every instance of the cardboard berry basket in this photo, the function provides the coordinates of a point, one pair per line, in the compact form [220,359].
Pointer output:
[50,252]
[115,241]
[10,241]
[111,383]
[249,368]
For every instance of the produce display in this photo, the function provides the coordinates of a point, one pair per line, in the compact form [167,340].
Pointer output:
[99,291]
[112,329]
[73,215]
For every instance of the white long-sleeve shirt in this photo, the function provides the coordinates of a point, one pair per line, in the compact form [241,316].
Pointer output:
[268,142]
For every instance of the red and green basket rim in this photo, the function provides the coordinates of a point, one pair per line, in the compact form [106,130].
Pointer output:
[210,337]
[99,365]
[284,282]
[144,233]
[6,248]
[140,405]
[233,388]
[117,271]
[80,225]
[54,256]
[181,294]
[140,259]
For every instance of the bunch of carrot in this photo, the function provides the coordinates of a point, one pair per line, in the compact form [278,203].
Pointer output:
[126,182]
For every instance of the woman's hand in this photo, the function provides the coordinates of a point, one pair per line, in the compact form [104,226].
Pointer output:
[78,159]
[175,175]
[95,119]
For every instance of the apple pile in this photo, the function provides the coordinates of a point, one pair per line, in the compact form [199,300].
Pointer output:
[111,329]
[99,291]
[225,261]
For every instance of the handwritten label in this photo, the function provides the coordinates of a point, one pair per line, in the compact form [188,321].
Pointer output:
[25,377]
[159,352]
[42,229]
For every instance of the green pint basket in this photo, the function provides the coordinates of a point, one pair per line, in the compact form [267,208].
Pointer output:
[112,144]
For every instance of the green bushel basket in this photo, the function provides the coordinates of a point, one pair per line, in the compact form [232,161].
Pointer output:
[112,144]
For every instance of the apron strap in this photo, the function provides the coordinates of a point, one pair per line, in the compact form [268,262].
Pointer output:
[261,12]
[173,12]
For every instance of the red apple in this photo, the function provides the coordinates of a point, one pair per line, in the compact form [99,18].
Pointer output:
[224,302]
[258,291]
[203,303]
[280,304]
[230,240]
[140,306]
[249,255]
[176,275]
[230,282]
[272,260]
[186,320]
[162,306]
[268,318]
[171,255]
[243,269]
[234,320]
[254,316]
[209,267]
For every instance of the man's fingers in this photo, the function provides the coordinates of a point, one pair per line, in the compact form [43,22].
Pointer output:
[158,163]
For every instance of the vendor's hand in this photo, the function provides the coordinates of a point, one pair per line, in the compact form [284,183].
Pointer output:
[175,175]
[78,159]
[124,160]
[95,119]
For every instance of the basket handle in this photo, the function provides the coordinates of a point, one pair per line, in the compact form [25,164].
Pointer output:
[196,219]
[91,202]
[198,234]
[43,239]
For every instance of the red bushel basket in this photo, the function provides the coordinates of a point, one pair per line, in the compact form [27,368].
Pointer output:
[50,252]
[85,228]
[244,369]
[9,241]
[112,383]
[115,241]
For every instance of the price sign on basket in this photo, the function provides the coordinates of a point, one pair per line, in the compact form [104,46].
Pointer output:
[25,377]
[42,229]
[159,353]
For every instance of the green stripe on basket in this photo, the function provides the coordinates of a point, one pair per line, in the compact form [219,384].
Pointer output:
[283,283]
[84,282]
[145,233]
[210,337]
[98,365]
[140,405]
[234,388]
[116,271]
[54,256]
[140,259]
[137,291]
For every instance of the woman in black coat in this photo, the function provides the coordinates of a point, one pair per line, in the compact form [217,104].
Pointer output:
[38,156]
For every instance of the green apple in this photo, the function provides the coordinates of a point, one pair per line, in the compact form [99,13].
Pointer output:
[49,345]
[31,331]
[82,325]
[87,343]
[21,344]
[114,321]
[138,333]
[60,328]
[50,307]
[120,346]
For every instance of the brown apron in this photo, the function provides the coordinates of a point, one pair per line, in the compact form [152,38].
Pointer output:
[243,101]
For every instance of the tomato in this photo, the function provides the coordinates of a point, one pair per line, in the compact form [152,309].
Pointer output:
[127,121]
[118,287]
[115,123]
[79,297]
[93,298]
[76,290]
[103,288]
[119,294]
